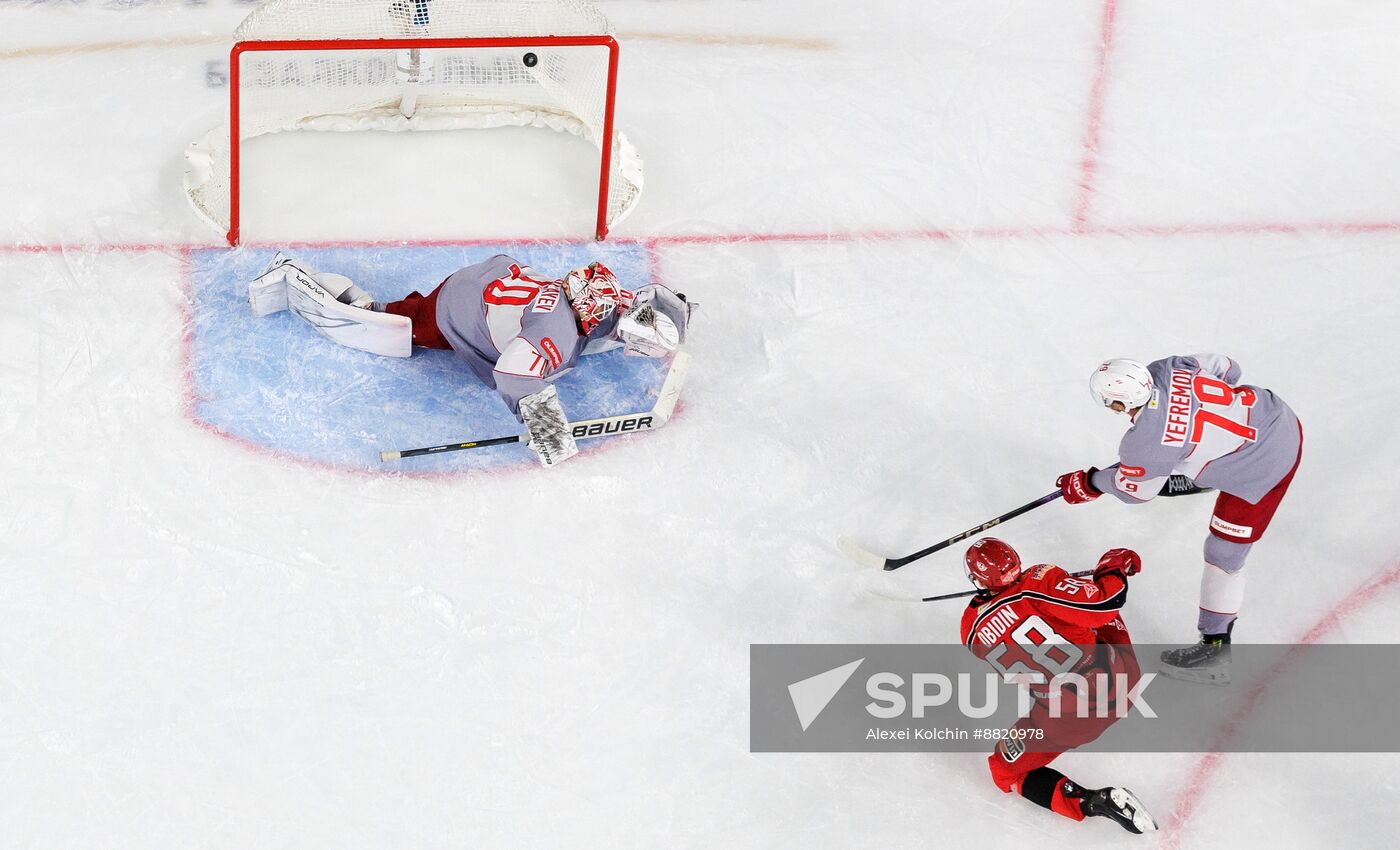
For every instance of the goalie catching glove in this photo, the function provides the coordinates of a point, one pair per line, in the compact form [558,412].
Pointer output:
[550,437]
[655,325]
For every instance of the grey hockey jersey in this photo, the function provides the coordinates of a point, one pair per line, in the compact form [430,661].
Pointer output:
[515,329]
[1239,439]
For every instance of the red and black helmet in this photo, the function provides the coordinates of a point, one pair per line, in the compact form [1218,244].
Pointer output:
[992,564]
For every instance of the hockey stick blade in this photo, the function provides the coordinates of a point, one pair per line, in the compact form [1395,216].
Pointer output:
[607,426]
[858,553]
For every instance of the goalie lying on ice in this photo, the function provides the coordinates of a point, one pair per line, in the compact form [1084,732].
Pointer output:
[516,331]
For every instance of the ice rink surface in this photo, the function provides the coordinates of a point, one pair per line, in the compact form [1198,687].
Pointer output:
[913,226]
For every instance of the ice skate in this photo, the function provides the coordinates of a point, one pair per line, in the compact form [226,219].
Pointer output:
[1207,662]
[1118,804]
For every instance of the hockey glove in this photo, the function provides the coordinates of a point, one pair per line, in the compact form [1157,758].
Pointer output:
[1077,486]
[1120,562]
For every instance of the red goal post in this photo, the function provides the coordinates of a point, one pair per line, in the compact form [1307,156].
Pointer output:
[423,81]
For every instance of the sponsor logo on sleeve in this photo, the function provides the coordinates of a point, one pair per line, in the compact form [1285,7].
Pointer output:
[1129,480]
[1178,419]
[552,350]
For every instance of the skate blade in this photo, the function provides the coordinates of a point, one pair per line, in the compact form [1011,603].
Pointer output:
[1197,675]
[1128,803]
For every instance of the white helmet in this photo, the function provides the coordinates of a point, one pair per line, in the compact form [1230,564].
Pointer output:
[1125,381]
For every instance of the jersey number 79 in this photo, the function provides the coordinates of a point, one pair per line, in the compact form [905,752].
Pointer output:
[1213,393]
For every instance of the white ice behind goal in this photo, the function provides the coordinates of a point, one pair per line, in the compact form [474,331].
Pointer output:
[417,65]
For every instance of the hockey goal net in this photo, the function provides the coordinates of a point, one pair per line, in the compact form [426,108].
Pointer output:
[417,65]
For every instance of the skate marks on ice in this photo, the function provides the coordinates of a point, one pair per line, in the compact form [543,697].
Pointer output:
[275,384]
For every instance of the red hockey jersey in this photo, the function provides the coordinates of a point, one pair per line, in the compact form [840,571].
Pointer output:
[1040,623]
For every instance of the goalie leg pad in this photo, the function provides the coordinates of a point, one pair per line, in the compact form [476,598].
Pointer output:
[319,305]
[267,293]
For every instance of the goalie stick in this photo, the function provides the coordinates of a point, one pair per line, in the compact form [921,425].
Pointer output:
[1176,485]
[607,426]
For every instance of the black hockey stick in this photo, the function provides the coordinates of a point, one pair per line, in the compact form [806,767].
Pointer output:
[1080,574]
[864,556]
[607,426]
[1176,485]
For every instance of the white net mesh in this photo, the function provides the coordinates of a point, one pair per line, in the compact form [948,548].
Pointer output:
[315,87]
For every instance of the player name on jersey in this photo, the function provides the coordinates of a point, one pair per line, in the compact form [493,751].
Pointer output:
[997,625]
[1178,423]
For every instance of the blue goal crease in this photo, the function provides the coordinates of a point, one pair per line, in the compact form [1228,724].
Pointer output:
[277,383]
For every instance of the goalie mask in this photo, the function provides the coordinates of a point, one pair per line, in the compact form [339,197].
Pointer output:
[595,295]
[655,325]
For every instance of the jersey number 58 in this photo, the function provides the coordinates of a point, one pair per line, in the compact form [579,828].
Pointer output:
[1045,646]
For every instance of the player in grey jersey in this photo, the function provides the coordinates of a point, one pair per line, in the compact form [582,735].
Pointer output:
[1191,416]
[516,330]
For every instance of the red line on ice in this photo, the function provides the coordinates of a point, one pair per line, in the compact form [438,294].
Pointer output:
[1190,799]
[1089,164]
[932,234]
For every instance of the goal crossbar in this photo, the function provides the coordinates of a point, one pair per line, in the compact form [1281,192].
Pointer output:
[260,46]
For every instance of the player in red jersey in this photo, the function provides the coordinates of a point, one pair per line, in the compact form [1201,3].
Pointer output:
[1043,620]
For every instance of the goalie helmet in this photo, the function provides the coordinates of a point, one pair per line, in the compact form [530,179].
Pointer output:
[992,564]
[1125,381]
[656,323]
[595,295]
